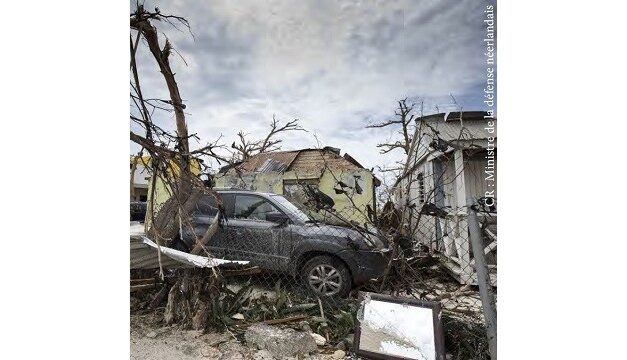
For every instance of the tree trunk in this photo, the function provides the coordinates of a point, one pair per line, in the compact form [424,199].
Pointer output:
[166,225]
[189,300]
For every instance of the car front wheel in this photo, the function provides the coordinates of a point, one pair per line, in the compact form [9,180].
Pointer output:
[326,276]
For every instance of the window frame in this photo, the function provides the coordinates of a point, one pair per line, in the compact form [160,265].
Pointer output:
[236,195]
[212,203]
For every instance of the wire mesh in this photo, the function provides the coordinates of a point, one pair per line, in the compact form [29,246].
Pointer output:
[308,258]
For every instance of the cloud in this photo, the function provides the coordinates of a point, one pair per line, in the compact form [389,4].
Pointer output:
[335,65]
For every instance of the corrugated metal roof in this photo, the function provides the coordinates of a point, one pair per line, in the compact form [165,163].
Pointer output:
[144,255]
[257,162]
[272,165]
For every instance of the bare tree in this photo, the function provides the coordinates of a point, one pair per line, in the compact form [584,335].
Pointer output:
[405,126]
[141,22]
[172,161]
[171,158]
[245,148]
[404,118]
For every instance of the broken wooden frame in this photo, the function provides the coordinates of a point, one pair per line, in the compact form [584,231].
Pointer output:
[438,333]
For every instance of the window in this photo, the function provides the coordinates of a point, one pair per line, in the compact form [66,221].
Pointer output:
[295,192]
[291,208]
[421,188]
[206,206]
[252,207]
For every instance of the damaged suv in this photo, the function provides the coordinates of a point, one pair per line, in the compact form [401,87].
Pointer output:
[275,235]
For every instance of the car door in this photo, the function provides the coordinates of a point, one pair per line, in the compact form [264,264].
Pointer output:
[202,217]
[252,236]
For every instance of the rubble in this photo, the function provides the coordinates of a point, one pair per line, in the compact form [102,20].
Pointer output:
[304,326]
[263,355]
[210,352]
[215,339]
[256,291]
[280,342]
[319,339]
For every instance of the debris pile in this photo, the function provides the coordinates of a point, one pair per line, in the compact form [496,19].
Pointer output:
[280,342]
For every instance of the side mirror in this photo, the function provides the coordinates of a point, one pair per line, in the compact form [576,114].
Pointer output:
[277,217]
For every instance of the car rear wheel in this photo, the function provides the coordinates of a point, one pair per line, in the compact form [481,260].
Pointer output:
[326,276]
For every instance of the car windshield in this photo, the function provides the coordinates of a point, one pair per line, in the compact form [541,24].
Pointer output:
[291,208]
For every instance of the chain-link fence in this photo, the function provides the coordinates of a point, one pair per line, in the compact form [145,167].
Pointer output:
[306,261]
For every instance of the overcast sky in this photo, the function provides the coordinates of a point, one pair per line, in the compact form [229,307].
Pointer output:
[335,65]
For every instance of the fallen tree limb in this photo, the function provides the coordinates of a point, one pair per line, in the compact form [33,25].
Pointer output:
[213,228]
[142,281]
[135,288]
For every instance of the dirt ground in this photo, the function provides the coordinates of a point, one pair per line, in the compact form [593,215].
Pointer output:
[151,340]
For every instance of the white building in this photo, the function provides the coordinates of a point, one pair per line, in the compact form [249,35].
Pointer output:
[140,179]
[452,159]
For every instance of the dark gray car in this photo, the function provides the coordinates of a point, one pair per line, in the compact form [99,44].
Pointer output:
[272,233]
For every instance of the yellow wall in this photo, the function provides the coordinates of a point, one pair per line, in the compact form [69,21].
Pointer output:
[162,191]
[273,182]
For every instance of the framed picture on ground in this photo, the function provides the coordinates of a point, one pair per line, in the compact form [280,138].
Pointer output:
[390,327]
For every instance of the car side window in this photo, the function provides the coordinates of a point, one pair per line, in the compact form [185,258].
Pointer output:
[253,207]
[206,206]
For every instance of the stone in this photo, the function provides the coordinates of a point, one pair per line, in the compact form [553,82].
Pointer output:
[281,343]
[238,316]
[304,326]
[340,346]
[338,354]
[151,335]
[319,339]
[263,355]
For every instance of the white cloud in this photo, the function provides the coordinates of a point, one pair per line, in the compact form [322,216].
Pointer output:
[334,65]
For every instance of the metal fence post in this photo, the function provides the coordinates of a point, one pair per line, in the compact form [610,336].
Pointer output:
[483,277]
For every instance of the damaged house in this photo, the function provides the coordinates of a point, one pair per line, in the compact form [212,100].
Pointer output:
[349,185]
[452,159]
